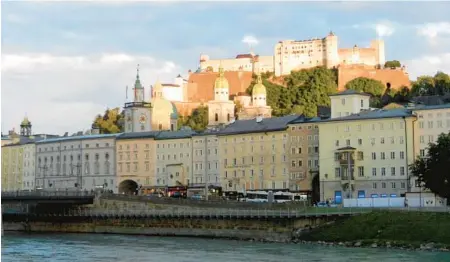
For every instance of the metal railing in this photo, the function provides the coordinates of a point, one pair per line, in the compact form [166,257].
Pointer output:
[40,193]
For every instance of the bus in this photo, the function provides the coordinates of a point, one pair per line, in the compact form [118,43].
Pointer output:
[283,197]
[256,197]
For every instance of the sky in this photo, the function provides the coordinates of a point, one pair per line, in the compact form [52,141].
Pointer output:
[62,63]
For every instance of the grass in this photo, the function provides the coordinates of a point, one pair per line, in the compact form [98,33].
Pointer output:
[401,226]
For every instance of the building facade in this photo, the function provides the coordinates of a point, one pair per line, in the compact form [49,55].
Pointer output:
[431,122]
[365,154]
[221,109]
[205,160]
[12,167]
[253,154]
[258,106]
[29,167]
[303,153]
[76,163]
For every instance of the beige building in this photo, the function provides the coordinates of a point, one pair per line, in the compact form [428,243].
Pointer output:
[76,163]
[365,154]
[12,167]
[301,54]
[303,153]
[243,62]
[205,160]
[431,122]
[253,154]
[174,158]
[221,109]
[258,106]
[164,113]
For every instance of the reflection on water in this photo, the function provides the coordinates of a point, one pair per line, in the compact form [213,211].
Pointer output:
[97,247]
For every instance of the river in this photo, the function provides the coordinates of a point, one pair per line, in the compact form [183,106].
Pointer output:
[107,248]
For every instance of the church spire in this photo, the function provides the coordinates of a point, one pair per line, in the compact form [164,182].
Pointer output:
[137,83]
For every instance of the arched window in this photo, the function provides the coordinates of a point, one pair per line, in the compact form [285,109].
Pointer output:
[216,117]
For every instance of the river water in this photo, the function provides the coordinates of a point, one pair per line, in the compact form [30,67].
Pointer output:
[107,248]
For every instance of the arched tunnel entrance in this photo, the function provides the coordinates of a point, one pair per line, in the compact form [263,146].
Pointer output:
[128,187]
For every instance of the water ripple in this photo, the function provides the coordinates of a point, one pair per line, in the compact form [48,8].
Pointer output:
[107,248]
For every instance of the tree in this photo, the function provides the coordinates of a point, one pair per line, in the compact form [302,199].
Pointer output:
[392,64]
[432,171]
[111,122]
[198,120]
[439,84]
[367,85]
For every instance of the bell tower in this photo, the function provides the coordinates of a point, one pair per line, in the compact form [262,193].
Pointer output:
[25,127]
[137,113]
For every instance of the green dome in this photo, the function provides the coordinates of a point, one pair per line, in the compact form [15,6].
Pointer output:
[174,114]
[25,122]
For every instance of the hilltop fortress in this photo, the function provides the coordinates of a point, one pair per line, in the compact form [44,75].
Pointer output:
[197,88]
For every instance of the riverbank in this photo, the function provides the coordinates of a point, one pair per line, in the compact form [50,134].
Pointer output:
[385,229]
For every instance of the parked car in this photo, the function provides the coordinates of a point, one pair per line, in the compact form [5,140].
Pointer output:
[197,197]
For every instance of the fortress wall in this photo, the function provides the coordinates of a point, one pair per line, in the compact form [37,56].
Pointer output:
[396,78]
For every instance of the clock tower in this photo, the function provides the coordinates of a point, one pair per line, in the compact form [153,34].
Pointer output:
[137,113]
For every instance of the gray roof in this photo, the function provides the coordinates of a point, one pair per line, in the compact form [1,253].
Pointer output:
[432,107]
[374,114]
[350,92]
[23,140]
[74,138]
[303,119]
[158,135]
[251,126]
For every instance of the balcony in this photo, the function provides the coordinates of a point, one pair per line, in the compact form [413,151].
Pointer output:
[346,156]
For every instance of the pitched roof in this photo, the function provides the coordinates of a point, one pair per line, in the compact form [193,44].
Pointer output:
[158,135]
[74,138]
[302,119]
[252,126]
[350,92]
[374,114]
[430,107]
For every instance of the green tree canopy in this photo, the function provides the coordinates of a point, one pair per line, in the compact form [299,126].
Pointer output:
[432,171]
[198,120]
[438,84]
[392,64]
[366,85]
[110,122]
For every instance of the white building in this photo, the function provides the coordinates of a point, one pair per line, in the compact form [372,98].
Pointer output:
[205,157]
[29,168]
[175,92]
[76,162]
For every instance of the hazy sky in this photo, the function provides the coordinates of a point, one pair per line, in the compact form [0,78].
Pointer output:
[65,62]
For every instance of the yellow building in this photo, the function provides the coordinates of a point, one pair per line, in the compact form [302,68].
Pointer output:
[303,154]
[151,160]
[135,154]
[12,167]
[365,154]
[253,154]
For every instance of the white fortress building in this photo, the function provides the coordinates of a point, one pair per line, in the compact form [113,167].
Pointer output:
[301,54]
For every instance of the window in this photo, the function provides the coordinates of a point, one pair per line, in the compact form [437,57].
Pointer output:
[401,140]
[430,124]
[421,125]
[374,171]
[392,140]
[374,156]
[343,101]
[402,155]
[337,143]
[374,185]
[362,103]
[392,171]
[359,141]
[293,163]
[360,155]
[392,155]
[422,152]
[383,171]
[383,156]
[382,140]
[216,117]
[361,171]
[348,142]
[402,170]
[383,185]
[393,184]
[403,185]
[337,172]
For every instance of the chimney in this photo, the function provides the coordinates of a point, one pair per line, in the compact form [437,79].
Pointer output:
[259,119]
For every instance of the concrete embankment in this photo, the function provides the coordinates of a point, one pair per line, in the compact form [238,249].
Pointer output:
[257,230]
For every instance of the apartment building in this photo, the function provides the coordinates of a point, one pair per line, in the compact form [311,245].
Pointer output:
[253,154]
[76,163]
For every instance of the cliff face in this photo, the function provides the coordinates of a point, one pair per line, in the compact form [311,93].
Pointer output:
[395,78]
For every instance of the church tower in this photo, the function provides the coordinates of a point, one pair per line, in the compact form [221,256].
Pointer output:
[221,109]
[137,113]
[259,107]
[25,127]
